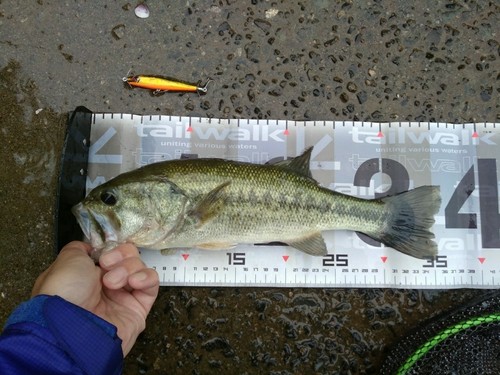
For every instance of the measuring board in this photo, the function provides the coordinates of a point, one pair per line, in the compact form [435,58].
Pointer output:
[364,159]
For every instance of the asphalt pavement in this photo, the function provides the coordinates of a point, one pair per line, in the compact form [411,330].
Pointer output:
[301,60]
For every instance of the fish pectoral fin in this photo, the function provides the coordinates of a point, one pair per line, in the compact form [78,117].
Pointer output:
[312,245]
[209,206]
[216,246]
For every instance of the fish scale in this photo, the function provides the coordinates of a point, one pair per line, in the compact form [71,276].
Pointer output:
[216,204]
[285,218]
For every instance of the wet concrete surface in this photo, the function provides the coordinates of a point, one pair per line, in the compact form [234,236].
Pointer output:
[315,60]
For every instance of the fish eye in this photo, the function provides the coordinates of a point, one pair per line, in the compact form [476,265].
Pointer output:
[108,198]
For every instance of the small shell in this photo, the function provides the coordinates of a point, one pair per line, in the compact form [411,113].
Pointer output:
[142,10]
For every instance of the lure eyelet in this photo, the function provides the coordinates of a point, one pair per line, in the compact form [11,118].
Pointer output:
[203,89]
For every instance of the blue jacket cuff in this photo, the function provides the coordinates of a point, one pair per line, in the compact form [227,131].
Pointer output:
[91,342]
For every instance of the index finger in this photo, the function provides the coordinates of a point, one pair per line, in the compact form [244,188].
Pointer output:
[73,246]
[117,255]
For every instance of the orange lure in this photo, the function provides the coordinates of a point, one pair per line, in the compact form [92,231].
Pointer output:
[159,85]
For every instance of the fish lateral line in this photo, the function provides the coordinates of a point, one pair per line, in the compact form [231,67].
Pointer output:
[161,84]
[195,200]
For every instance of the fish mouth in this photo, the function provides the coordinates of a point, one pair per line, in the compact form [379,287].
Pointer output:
[96,227]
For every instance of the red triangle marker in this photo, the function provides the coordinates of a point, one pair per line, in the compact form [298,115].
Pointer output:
[285,257]
[384,259]
[286,132]
[189,129]
[185,256]
[475,135]
[380,135]
[481,260]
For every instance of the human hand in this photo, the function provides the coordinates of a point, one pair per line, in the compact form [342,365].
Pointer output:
[121,290]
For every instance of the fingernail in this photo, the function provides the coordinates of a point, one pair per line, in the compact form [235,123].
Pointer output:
[140,276]
[116,275]
[111,258]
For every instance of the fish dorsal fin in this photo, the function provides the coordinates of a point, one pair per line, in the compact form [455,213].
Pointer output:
[209,205]
[298,164]
[313,244]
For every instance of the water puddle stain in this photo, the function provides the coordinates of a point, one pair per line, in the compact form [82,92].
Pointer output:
[31,137]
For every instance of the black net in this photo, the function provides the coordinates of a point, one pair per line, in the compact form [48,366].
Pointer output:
[465,341]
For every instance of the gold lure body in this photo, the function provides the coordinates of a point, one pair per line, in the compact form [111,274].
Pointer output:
[160,84]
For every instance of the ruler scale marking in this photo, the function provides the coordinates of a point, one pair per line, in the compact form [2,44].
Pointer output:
[432,153]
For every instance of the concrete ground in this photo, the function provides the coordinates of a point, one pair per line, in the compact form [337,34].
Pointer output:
[428,60]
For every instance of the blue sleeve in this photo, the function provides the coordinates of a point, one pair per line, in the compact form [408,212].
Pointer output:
[49,335]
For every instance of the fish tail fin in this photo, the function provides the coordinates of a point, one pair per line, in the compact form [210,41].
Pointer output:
[409,221]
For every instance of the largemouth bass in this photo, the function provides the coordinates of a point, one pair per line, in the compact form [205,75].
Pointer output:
[216,204]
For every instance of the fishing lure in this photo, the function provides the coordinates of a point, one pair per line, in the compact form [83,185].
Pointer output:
[160,85]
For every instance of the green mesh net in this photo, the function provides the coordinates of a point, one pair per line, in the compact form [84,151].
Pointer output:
[465,341]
